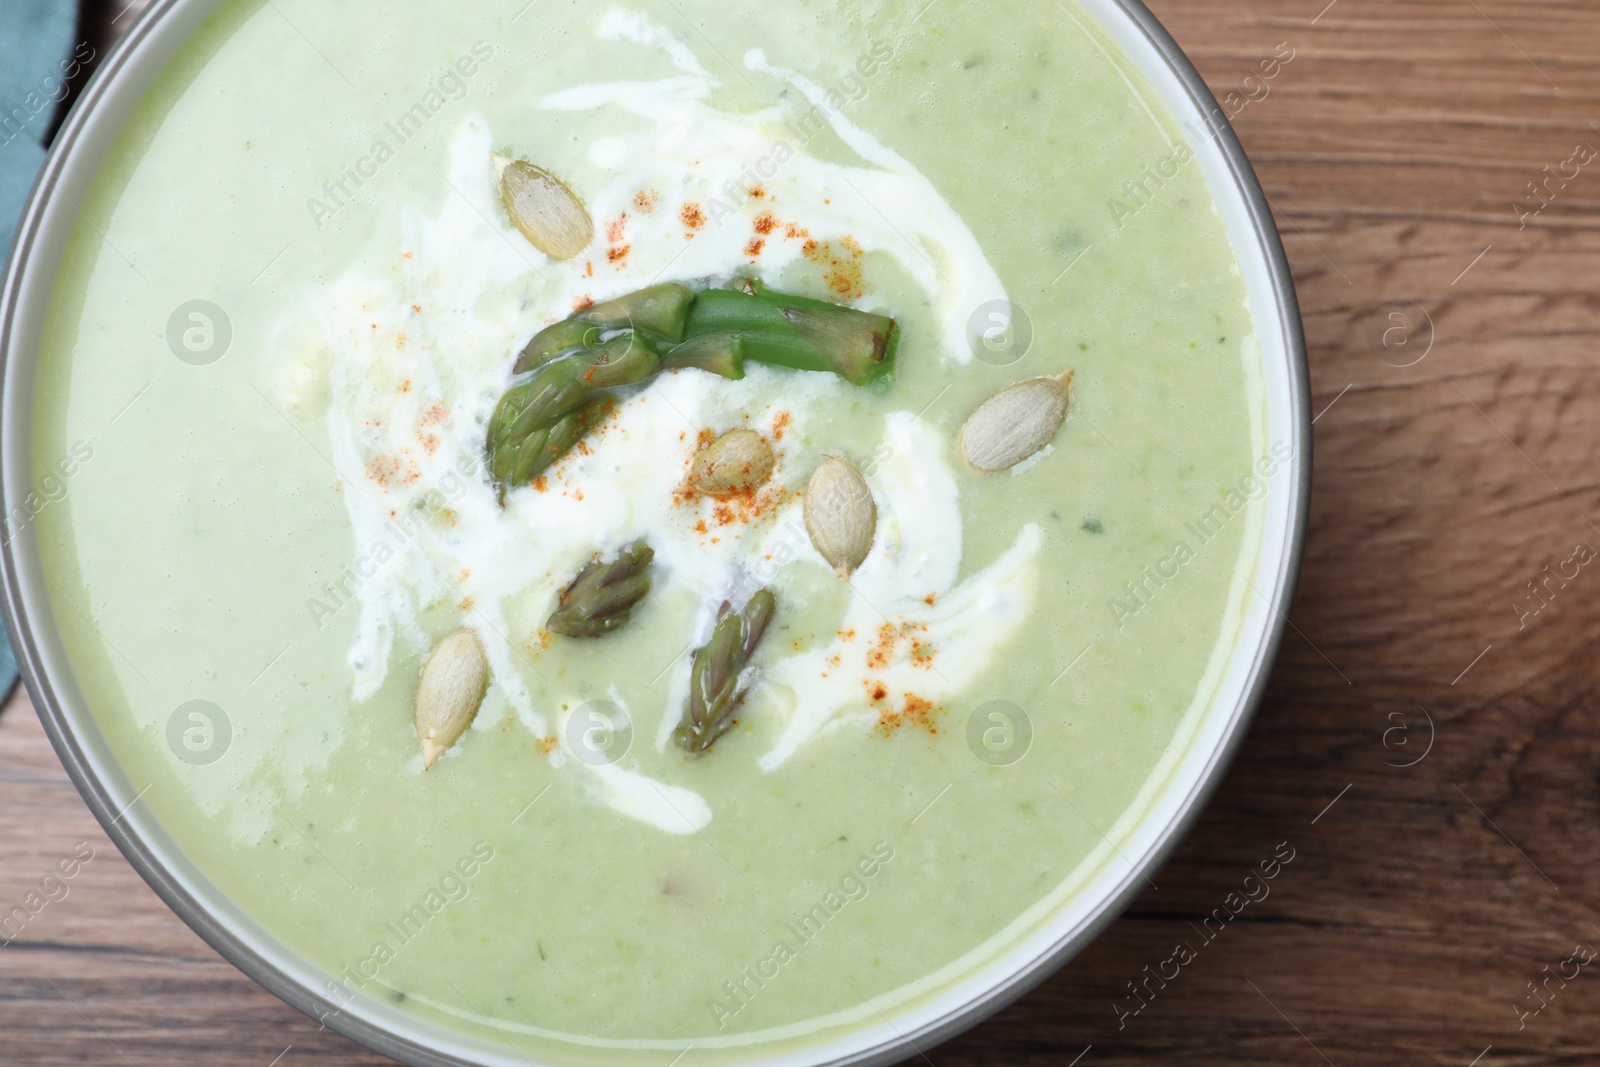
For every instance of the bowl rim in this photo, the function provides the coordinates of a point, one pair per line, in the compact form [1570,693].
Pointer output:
[219,934]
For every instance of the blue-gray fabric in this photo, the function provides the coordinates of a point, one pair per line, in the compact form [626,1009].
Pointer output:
[35,40]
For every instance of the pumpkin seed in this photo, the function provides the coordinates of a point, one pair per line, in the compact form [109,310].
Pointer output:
[840,514]
[548,213]
[737,462]
[1015,423]
[453,683]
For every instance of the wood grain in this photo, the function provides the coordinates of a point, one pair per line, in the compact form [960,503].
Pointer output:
[1421,902]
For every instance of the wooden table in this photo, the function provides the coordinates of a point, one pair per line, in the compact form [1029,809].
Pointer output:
[1423,899]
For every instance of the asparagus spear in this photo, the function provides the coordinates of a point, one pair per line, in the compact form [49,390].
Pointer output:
[721,355]
[604,594]
[569,366]
[662,309]
[566,384]
[714,676]
[548,410]
[797,332]
[540,450]
[659,311]
[563,339]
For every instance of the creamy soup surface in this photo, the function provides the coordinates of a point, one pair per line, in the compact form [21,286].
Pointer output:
[266,390]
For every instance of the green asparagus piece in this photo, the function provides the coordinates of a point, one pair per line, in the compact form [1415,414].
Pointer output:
[797,332]
[566,384]
[549,409]
[542,449]
[604,594]
[575,392]
[714,675]
[563,339]
[660,309]
[566,369]
[721,355]
[660,312]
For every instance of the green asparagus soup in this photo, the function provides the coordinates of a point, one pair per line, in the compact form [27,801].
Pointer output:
[616,530]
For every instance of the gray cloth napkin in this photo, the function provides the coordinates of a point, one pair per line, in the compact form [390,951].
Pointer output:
[36,57]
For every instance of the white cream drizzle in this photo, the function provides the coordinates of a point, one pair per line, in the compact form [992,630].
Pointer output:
[671,808]
[915,559]
[388,367]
